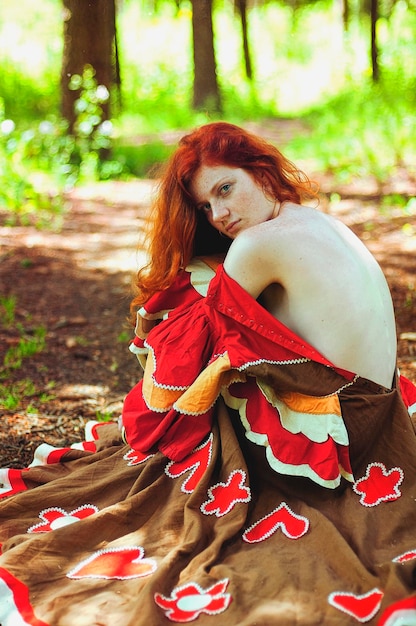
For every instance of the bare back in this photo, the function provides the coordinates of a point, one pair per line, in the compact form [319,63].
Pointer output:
[314,275]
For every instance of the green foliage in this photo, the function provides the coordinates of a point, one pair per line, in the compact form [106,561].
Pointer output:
[39,163]
[365,131]
[30,55]
[141,160]
[36,99]
[24,199]
[104,416]
[26,344]
[156,98]
[303,62]
[7,310]
[92,140]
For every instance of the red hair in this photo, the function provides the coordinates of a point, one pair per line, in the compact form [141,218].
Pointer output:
[177,232]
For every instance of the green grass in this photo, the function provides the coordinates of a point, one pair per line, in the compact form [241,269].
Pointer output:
[26,344]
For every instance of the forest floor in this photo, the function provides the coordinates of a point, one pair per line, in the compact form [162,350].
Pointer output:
[77,283]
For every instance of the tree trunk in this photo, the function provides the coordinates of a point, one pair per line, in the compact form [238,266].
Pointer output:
[242,8]
[89,39]
[374,44]
[206,90]
[346,14]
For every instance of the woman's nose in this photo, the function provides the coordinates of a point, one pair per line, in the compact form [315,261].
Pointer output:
[218,211]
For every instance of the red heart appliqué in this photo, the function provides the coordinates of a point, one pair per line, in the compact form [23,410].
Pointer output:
[362,608]
[292,525]
[406,556]
[118,563]
[196,463]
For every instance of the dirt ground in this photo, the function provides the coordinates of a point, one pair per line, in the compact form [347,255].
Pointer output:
[76,283]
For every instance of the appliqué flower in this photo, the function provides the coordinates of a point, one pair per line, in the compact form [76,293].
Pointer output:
[379,484]
[401,613]
[55,517]
[134,457]
[196,462]
[115,563]
[362,608]
[186,603]
[222,497]
[292,525]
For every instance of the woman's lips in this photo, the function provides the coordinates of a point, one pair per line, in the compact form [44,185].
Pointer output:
[231,227]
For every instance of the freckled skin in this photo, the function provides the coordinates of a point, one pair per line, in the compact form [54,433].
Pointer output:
[307,268]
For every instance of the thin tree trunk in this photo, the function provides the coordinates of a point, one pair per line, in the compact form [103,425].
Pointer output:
[374,44]
[346,14]
[242,8]
[206,90]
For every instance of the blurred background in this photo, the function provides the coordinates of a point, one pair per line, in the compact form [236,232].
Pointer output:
[101,90]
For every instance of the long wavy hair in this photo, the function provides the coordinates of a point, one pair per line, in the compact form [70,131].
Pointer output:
[176,230]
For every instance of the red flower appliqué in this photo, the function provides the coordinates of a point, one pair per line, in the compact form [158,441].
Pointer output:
[379,484]
[196,462]
[186,603]
[222,497]
[55,518]
[134,457]
[401,612]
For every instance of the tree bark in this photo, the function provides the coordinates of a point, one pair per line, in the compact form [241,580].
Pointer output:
[374,43]
[346,14]
[242,9]
[206,91]
[89,39]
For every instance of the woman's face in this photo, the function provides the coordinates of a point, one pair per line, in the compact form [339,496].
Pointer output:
[231,199]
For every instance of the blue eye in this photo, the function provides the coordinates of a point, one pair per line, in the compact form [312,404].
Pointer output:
[225,188]
[205,208]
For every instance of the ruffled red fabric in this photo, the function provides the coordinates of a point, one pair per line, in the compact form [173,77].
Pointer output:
[204,348]
[173,433]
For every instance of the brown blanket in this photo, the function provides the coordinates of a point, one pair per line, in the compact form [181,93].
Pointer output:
[246,528]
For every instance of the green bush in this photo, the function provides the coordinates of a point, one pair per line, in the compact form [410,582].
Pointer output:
[305,65]
[368,130]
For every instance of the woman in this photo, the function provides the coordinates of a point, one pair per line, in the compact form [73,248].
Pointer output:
[270,471]
[307,268]
[309,271]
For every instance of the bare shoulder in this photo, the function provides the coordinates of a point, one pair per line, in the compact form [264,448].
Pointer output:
[261,255]
[279,231]
[299,249]
[275,245]
[251,260]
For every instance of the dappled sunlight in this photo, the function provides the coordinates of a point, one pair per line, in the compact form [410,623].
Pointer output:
[103,229]
[76,391]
